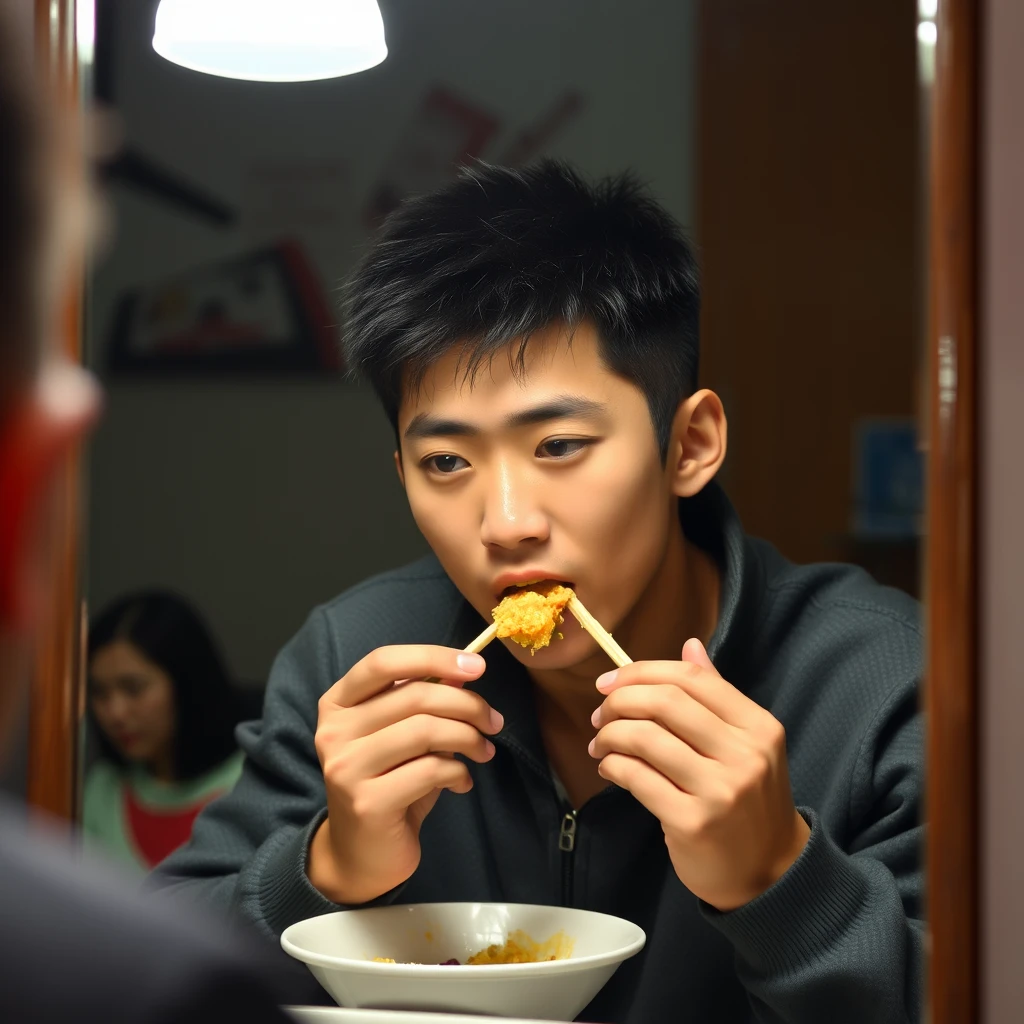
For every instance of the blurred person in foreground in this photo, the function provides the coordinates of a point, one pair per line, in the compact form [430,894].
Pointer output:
[74,945]
[164,713]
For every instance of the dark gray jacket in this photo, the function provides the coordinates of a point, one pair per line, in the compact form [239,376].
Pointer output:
[833,655]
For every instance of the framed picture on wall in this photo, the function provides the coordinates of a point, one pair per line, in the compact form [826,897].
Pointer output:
[258,312]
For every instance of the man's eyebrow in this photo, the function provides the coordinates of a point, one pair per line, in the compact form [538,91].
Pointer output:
[557,408]
[424,425]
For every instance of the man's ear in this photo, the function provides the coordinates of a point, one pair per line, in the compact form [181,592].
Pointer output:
[698,443]
[398,467]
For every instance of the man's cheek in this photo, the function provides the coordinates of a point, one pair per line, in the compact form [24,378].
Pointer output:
[448,538]
[440,531]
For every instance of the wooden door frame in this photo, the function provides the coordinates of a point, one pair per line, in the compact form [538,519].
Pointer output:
[952,685]
[57,688]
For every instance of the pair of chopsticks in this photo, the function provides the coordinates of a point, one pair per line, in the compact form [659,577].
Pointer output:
[604,639]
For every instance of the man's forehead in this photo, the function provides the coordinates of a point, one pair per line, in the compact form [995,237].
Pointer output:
[552,362]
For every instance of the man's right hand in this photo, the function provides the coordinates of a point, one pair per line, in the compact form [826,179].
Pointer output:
[385,740]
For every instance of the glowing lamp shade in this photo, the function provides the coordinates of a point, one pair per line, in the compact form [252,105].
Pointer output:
[271,40]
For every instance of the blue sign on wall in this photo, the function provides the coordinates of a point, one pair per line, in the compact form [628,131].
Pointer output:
[889,479]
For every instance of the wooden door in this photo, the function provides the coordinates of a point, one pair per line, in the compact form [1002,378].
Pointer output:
[809,227]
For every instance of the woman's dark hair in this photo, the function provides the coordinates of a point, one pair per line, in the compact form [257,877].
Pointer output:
[499,254]
[170,633]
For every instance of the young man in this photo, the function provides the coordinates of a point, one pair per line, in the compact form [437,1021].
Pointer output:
[748,790]
[75,945]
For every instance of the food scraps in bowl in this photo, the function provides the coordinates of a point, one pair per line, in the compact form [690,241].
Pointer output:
[518,948]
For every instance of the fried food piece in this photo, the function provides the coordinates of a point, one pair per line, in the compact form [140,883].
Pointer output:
[531,616]
[519,948]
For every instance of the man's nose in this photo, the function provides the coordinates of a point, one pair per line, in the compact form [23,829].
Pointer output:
[512,513]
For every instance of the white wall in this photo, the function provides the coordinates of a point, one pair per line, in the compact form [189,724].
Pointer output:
[1002,512]
[261,499]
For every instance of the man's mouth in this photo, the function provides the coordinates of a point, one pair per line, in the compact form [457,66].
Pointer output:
[532,584]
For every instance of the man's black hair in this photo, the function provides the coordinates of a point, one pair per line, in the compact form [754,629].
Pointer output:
[501,253]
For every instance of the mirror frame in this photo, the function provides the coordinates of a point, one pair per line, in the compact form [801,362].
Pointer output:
[952,692]
[57,692]
[951,685]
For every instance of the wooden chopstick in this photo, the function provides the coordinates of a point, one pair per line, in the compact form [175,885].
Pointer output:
[477,645]
[604,639]
[473,647]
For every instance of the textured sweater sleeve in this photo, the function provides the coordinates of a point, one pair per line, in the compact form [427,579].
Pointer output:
[249,849]
[840,936]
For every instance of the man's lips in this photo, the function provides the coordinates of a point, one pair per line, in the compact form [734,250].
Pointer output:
[509,582]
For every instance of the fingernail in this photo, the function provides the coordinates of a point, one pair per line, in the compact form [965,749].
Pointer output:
[497,720]
[595,718]
[470,662]
[488,748]
[606,681]
[590,746]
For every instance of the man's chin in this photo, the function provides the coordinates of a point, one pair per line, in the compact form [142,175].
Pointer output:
[574,652]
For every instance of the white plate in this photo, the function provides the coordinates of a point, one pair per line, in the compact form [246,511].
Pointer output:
[339,1015]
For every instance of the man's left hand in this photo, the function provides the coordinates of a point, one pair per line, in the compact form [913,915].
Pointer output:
[710,764]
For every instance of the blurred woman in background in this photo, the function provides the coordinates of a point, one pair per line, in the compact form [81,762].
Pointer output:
[164,713]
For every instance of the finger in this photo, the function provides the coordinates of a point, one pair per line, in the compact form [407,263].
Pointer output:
[417,698]
[380,668]
[412,738]
[673,709]
[709,688]
[696,653]
[667,754]
[401,788]
[665,801]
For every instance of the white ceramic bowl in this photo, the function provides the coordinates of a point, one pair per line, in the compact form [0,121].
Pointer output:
[339,949]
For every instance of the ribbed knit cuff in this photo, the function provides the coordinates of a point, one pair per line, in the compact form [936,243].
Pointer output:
[797,920]
[283,889]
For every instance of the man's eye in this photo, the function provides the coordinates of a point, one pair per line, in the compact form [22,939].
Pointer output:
[446,464]
[562,447]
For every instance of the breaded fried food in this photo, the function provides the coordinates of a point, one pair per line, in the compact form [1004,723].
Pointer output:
[519,948]
[531,616]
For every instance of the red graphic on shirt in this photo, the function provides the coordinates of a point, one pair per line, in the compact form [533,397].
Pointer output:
[158,833]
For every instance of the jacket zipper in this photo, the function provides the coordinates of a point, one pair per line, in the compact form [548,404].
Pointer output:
[567,844]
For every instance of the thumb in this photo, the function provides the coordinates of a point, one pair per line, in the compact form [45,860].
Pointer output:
[694,652]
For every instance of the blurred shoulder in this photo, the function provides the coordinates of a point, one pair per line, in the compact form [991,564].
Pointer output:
[118,955]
